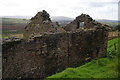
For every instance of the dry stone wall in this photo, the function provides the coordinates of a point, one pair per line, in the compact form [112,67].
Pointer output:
[46,55]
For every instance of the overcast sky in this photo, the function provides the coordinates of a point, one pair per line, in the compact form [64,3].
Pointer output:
[98,9]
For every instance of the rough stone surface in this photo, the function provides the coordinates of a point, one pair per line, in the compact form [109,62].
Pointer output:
[52,53]
[40,24]
[84,21]
[46,50]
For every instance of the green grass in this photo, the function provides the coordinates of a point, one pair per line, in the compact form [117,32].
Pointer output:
[101,68]
[8,34]
[114,47]
[3,36]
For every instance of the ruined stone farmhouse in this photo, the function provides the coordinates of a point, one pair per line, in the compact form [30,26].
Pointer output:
[50,50]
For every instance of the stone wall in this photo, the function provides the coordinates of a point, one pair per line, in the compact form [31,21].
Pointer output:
[45,55]
[83,21]
[40,24]
[112,35]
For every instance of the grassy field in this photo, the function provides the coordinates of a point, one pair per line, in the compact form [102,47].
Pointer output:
[13,27]
[12,21]
[7,34]
[102,68]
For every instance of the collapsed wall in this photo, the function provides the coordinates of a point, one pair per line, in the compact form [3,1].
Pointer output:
[45,55]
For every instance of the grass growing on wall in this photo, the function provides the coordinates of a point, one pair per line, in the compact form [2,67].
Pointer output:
[101,68]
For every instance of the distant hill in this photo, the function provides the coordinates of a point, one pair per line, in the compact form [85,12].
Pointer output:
[112,23]
[14,24]
[106,20]
[19,22]
[61,18]
[54,18]
[65,20]
[19,17]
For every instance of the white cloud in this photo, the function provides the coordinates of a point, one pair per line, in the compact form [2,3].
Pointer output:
[71,8]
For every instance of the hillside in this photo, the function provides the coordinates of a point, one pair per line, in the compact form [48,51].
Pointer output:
[16,17]
[14,23]
[112,23]
[13,27]
[62,20]
[9,20]
[101,68]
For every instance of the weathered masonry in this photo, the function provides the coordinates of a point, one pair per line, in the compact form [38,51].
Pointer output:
[45,50]
[49,54]
[83,21]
